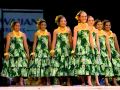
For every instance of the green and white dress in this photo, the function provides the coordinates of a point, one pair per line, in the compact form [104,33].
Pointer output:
[60,61]
[17,65]
[106,67]
[115,56]
[82,58]
[95,57]
[39,66]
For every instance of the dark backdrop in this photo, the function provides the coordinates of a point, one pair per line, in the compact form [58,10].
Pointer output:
[99,9]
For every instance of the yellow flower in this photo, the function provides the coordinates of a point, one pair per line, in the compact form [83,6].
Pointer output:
[72,51]
[6,54]
[76,17]
[56,19]
[52,51]
[33,53]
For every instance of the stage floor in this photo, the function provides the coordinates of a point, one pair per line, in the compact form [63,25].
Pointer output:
[62,88]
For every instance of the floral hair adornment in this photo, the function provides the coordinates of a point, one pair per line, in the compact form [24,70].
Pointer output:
[57,19]
[78,14]
[11,23]
[38,21]
[76,17]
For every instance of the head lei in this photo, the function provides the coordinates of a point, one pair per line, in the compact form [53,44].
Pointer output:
[11,24]
[57,19]
[39,21]
[78,14]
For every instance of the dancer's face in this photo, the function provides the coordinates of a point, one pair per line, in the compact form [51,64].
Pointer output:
[83,17]
[63,22]
[99,26]
[90,21]
[107,26]
[43,26]
[16,27]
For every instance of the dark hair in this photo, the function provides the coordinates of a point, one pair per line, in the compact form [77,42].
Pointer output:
[78,14]
[96,22]
[89,17]
[104,22]
[39,21]
[13,23]
[58,18]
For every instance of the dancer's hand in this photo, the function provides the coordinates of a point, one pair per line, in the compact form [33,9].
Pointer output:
[52,52]
[6,56]
[33,55]
[27,56]
[73,52]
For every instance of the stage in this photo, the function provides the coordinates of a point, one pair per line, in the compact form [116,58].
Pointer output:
[62,88]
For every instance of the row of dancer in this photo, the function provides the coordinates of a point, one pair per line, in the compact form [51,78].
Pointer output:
[92,51]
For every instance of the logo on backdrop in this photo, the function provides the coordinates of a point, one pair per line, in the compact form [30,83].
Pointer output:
[27,19]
